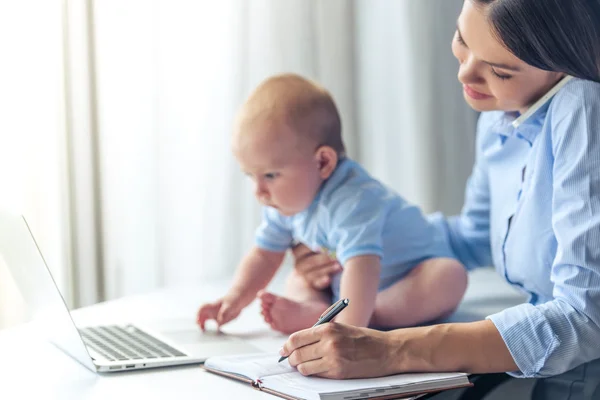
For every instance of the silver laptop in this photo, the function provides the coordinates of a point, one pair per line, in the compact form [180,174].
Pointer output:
[109,348]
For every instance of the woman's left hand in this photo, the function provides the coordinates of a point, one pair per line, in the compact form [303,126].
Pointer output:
[341,351]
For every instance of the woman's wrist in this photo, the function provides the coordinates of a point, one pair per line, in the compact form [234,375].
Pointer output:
[415,349]
[475,347]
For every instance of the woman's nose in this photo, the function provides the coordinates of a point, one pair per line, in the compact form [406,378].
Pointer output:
[467,72]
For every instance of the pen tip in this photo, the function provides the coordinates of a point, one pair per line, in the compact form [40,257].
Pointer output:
[281,359]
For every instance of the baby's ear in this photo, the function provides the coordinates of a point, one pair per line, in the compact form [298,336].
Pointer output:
[327,160]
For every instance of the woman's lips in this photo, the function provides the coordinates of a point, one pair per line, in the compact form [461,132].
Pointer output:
[474,94]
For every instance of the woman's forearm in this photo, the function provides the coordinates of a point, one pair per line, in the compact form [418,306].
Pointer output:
[474,347]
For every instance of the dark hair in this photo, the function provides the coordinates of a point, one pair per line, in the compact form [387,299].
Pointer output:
[553,35]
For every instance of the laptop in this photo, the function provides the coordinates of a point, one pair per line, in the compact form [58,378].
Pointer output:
[109,348]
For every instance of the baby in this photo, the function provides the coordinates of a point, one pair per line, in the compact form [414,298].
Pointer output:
[395,270]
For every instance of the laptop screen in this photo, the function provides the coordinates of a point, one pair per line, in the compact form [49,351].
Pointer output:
[26,264]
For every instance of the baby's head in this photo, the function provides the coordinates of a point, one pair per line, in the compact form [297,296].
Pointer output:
[287,138]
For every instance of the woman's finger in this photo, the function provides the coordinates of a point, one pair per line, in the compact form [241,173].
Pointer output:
[336,267]
[321,279]
[305,354]
[323,282]
[301,250]
[317,262]
[301,339]
[313,367]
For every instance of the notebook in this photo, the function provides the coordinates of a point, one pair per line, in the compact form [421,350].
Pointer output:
[263,372]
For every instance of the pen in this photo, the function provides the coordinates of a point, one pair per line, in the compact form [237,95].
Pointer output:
[328,315]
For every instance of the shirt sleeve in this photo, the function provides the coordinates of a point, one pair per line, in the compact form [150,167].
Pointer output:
[468,234]
[357,223]
[556,336]
[274,232]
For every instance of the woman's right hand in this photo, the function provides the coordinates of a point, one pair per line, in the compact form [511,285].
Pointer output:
[315,268]
[339,351]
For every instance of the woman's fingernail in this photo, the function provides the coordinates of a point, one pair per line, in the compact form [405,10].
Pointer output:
[281,352]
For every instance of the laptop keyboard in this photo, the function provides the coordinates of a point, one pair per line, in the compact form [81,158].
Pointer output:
[118,343]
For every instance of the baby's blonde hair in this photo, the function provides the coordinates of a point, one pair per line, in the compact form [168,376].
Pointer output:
[306,107]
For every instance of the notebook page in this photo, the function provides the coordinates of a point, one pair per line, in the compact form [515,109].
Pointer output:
[312,387]
[253,366]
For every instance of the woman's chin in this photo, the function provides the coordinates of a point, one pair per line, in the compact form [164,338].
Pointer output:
[480,105]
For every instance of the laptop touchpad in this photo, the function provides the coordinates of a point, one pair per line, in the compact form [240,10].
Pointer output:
[191,336]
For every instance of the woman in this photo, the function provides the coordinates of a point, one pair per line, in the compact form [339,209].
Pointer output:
[532,206]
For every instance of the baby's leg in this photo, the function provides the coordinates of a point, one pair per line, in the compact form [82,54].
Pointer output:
[432,290]
[299,310]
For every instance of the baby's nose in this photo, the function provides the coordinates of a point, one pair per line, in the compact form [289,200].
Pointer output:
[264,199]
[260,190]
[260,193]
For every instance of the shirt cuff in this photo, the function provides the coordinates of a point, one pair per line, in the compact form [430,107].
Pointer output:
[271,246]
[528,336]
[345,255]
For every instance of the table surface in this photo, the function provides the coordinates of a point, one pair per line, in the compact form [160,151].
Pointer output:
[32,368]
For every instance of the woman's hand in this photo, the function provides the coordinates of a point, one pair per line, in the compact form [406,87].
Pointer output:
[315,268]
[341,351]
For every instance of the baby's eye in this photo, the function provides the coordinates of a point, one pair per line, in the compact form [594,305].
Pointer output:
[271,175]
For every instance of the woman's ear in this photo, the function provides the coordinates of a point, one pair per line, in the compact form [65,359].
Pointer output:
[327,160]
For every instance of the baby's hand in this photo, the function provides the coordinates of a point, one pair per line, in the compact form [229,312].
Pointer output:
[222,311]
[208,311]
[231,306]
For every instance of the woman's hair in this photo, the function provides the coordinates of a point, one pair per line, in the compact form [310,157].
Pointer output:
[553,35]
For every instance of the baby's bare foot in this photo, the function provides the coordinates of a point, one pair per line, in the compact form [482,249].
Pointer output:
[288,316]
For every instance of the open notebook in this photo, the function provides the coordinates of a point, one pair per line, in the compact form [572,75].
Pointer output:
[264,373]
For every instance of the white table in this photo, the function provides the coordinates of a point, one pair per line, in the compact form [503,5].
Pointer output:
[31,368]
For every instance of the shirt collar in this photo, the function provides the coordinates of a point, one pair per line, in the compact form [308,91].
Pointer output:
[527,131]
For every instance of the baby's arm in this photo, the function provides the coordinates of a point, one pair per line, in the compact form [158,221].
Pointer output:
[254,272]
[360,281]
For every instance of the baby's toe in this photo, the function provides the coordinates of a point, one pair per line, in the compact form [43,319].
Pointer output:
[267,298]
[267,316]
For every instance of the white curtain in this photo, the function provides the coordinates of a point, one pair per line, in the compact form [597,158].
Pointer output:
[33,177]
[170,76]
[155,197]
[415,131]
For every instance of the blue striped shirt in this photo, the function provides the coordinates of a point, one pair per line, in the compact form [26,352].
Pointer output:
[532,209]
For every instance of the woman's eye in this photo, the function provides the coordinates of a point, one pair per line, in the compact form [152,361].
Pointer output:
[500,76]
[271,175]
[460,40]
